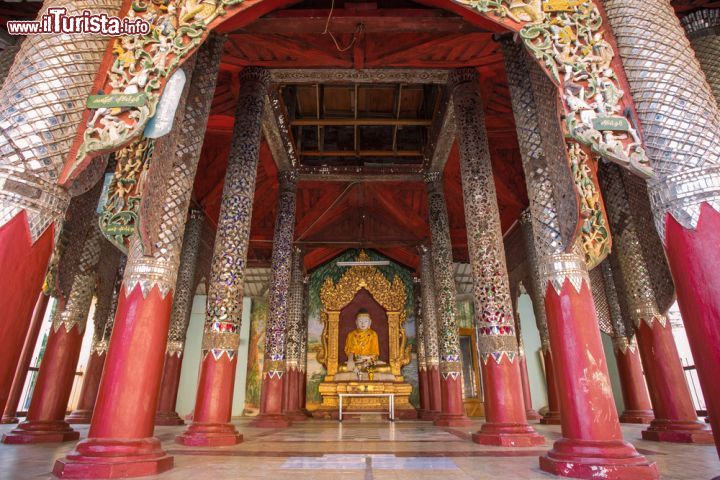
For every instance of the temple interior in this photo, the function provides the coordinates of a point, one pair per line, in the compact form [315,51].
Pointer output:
[383,239]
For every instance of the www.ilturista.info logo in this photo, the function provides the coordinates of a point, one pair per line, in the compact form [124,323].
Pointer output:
[56,20]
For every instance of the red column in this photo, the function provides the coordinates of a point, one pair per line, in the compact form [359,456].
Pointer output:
[293,409]
[505,423]
[23,263]
[89,391]
[592,440]
[694,262]
[433,374]
[213,405]
[530,412]
[452,413]
[424,392]
[166,414]
[552,416]
[120,441]
[45,421]
[638,408]
[10,413]
[303,392]
[675,416]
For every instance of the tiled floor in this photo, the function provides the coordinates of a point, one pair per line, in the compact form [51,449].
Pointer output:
[362,450]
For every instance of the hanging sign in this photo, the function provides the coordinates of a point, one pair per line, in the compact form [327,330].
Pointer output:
[161,123]
[612,124]
[116,100]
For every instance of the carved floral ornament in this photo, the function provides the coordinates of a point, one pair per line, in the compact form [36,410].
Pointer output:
[564,36]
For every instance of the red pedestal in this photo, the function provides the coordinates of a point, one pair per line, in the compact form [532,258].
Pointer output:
[302,392]
[424,392]
[23,265]
[552,416]
[120,441]
[271,414]
[530,412]
[45,421]
[592,440]
[90,387]
[453,408]
[213,405]
[434,394]
[675,416]
[505,423]
[694,263]
[166,414]
[10,413]
[638,408]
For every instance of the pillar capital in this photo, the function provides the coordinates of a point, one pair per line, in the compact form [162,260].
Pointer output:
[461,76]
[702,23]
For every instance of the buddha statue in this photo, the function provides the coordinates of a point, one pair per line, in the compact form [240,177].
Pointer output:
[361,345]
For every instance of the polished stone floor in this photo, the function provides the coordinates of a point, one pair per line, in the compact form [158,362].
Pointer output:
[365,449]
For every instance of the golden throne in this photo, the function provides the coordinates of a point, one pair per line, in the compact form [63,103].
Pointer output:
[359,286]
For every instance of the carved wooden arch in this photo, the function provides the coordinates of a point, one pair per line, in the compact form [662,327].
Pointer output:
[391,295]
[565,37]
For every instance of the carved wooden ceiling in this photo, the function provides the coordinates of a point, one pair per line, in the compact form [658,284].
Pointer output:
[369,210]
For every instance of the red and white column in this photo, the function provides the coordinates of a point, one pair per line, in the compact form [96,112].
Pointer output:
[46,415]
[430,333]
[32,204]
[452,412]
[120,441]
[295,336]
[179,320]
[221,338]
[684,152]
[505,421]
[10,413]
[274,365]
[675,416]
[591,440]
[110,272]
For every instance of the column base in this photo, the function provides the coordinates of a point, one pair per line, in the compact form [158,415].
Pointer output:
[209,435]
[111,458]
[168,419]
[79,417]
[7,420]
[297,416]
[452,420]
[508,435]
[614,460]
[531,414]
[428,415]
[551,418]
[270,420]
[637,416]
[678,432]
[41,432]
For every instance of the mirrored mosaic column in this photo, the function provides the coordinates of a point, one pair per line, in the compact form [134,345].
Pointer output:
[430,332]
[636,398]
[45,421]
[592,440]
[703,29]
[179,320]
[221,338]
[675,416]
[453,409]
[107,273]
[552,415]
[302,391]
[424,392]
[505,423]
[271,397]
[667,82]
[120,440]
[294,368]
[32,204]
